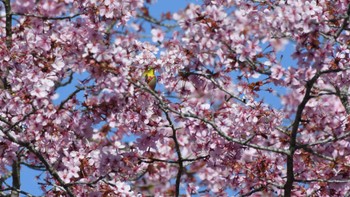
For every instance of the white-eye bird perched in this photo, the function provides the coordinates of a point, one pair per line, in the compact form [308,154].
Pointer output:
[150,78]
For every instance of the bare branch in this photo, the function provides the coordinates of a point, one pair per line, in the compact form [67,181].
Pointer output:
[155,21]
[152,160]
[16,177]
[60,84]
[284,131]
[12,189]
[343,96]
[254,190]
[47,17]
[8,23]
[275,184]
[323,180]
[70,97]
[331,139]
[4,177]
[265,2]
[89,183]
[34,167]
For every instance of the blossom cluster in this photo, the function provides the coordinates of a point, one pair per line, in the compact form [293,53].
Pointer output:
[209,128]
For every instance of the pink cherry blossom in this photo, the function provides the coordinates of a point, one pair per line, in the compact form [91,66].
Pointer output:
[157,35]
[252,98]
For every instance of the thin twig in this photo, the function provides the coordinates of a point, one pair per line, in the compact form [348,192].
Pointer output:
[60,84]
[152,160]
[47,17]
[155,21]
[70,97]
[323,180]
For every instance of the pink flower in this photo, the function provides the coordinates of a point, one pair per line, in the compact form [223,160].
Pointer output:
[157,35]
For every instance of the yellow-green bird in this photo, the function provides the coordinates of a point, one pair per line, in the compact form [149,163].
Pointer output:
[150,78]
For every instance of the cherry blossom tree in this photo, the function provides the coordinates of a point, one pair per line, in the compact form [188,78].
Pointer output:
[229,115]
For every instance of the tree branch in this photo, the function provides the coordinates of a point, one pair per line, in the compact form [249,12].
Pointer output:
[152,160]
[323,180]
[344,24]
[332,139]
[292,145]
[70,97]
[8,23]
[34,150]
[309,150]
[208,122]
[254,190]
[34,167]
[178,152]
[47,17]
[48,166]
[249,62]
[210,77]
[60,84]
[16,174]
[155,21]
[12,189]
[343,96]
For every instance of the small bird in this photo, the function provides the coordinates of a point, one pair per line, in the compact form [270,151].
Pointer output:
[150,78]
